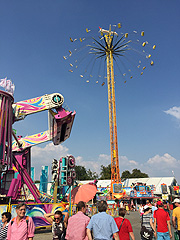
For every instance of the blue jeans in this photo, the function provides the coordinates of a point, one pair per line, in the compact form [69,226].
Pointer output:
[163,236]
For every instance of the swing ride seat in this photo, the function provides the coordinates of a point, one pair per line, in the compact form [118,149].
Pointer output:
[60,125]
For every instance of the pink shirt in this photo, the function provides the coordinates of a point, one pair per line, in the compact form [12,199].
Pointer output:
[76,229]
[21,231]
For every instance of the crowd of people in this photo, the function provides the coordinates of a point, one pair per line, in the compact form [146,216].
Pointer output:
[155,223]
[156,220]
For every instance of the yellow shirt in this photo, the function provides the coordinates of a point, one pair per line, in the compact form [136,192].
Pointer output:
[176,213]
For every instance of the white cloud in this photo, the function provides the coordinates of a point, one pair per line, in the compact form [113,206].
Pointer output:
[162,160]
[163,166]
[44,156]
[174,111]
[155,166]
[104,158]
[126,163]
[92,165]
[132,162]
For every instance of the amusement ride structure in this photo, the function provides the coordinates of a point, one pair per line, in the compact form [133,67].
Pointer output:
[15,157]
[111,46]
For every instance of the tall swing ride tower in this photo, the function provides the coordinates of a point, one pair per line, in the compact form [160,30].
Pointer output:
[110,50]
[112,46]
[115,173]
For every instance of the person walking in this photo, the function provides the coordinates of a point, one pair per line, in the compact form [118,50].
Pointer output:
[121,204]
[21,227]
[76,229]
[58,225]
[176,215]
[153,209]
[102,224]
[124,226]
[166,207]
[127,208]
[141,209]
[162,220]
[6,217]
[147,222]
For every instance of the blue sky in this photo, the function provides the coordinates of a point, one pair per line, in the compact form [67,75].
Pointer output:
[34,39]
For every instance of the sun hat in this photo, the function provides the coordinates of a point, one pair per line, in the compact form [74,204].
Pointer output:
[146,207]
[176,200]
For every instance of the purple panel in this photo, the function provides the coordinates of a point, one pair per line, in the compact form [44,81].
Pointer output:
[13,190]
[6,116]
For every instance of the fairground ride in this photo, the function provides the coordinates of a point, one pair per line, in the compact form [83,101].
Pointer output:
[15,157]
[111,46]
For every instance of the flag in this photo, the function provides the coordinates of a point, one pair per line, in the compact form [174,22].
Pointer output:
[12,89]
[176,188]
[3,82]
[8,85]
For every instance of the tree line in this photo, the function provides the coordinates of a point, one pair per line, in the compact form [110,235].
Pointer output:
[105,173]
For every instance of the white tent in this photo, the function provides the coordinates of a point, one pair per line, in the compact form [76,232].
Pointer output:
[156,181]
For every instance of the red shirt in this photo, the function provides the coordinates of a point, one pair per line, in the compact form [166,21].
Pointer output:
[161,219]
[126,228]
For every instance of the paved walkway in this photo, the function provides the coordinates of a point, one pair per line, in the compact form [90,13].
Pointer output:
[133,218]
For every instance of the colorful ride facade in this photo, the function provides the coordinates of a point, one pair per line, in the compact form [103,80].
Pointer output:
[15,156]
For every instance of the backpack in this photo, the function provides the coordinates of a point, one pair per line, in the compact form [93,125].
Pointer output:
[145,233]
[27,220]
[60,233]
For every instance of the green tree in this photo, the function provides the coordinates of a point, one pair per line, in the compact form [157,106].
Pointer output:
[91,175]
[105,172]
[136,173]
[81,173]
[126,174]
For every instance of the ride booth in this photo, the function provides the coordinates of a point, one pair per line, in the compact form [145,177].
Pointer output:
[141,192]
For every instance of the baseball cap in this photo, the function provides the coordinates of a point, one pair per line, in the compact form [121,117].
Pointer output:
[159,203]
[176,200]
[147,206]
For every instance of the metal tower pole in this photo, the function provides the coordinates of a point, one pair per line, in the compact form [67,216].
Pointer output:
[110,115]
[115,175]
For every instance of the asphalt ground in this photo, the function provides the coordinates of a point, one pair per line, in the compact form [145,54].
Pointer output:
[134,218]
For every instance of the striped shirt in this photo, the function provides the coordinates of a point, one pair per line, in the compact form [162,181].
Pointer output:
[76,229]
[3,231]
[146,221]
